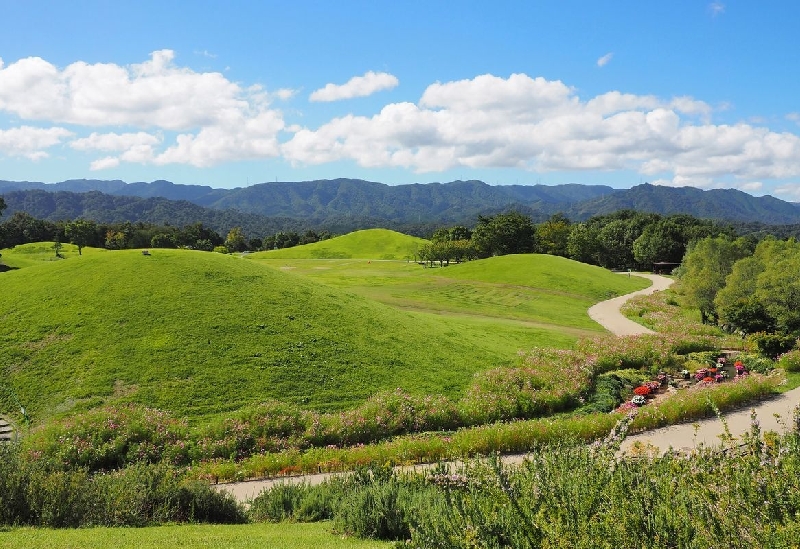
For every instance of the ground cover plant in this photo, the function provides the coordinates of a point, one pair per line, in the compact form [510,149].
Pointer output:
[534,291]
[28,255]
[284,438]
[101,334]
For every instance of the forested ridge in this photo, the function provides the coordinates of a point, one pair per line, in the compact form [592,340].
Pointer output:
[351,204]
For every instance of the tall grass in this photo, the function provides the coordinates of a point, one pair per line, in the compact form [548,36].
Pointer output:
[571,496]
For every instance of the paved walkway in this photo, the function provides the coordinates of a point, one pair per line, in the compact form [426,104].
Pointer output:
[775,414]
[606,313]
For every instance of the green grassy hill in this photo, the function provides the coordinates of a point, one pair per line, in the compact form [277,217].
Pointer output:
[548,273]
[513,302]
[366,244]
[27,255]
[199,333]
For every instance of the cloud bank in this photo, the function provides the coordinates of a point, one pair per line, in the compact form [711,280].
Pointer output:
[159,113]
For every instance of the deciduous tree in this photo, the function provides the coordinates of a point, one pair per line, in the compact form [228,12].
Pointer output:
[502,234]
[706,265]
[82,233]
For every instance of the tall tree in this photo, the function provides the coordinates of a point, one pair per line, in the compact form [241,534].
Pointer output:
[552,236]
[2,205]
[236,241]
[82,233]
[582,244]
[706,265]
[762,292]
[502,234]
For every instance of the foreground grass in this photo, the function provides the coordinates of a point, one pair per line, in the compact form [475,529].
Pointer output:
[249,536]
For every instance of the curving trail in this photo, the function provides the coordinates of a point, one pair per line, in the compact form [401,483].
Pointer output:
[774,414]
[606,313]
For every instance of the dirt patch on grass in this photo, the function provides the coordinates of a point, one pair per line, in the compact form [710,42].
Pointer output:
[46,341]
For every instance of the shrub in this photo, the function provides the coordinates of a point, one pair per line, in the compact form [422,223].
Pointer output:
[756,363]
[278,503]
[110,438]
[31,493]
[790,361]
[771,344]
[588,497]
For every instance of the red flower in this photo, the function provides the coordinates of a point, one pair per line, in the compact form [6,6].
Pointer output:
[708,379]
[642,390]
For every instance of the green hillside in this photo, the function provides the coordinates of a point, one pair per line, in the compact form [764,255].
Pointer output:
[199,333]
[366,244]
[548,273]
[27,255]
[514,301]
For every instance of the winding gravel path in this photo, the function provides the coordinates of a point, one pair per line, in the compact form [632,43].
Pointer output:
[606,313]
[774,414]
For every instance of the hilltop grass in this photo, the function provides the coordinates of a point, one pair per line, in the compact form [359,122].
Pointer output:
[199,334]
[28,255]
[367,244]
[244,536]
[543,292]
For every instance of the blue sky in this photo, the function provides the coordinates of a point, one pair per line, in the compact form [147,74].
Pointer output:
[234,93]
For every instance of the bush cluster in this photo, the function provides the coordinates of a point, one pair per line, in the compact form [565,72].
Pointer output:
[371,502]
[569,496]
[31,493]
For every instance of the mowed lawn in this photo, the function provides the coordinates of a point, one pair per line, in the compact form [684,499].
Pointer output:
[200,334]
[247,536]
[517,301]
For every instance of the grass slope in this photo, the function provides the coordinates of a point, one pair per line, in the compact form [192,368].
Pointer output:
[200,333]
[246,536]
[517,301]
[366,244]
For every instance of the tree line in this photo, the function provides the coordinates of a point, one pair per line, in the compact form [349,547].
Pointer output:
[623,240]
[747,287]
[22,228]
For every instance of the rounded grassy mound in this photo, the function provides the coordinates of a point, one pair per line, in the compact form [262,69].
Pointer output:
[199,333]
[549,273]
[366,244]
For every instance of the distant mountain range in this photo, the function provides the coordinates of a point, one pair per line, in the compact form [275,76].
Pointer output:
[347,204]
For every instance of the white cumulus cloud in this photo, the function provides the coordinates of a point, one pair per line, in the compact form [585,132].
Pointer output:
[543,125]
[358,86]
[114,141]
[716,8]
[154,95]
[30,142]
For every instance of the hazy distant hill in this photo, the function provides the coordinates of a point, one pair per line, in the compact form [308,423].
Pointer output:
[728,204]
[342,205]
[106,208]
[443,202]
